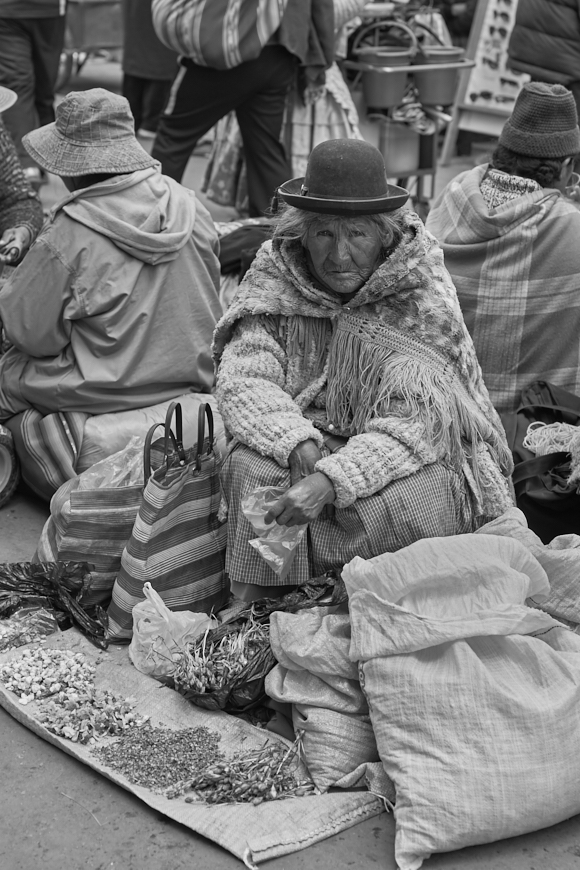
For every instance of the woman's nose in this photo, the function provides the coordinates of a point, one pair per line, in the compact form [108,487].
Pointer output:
[341,251]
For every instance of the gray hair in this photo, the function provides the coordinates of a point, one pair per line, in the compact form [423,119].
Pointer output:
[295,224]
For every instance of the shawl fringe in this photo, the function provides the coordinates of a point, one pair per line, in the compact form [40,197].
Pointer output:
[391,375]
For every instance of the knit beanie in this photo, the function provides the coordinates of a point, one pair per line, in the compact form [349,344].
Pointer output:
[544,122]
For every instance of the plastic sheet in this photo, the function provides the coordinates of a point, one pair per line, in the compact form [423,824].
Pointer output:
[275,543]
[124,468]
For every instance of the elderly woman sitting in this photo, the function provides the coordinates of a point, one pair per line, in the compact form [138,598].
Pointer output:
[346,374]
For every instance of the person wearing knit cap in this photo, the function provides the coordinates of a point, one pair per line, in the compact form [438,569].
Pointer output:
[510,234]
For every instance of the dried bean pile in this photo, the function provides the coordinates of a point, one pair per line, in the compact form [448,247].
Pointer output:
[159,757]
[259,775]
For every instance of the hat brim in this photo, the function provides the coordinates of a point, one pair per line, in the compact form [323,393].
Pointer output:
[395,198]
[7,98]
[61,156]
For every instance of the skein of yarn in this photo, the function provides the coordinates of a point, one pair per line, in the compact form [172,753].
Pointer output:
[543,438]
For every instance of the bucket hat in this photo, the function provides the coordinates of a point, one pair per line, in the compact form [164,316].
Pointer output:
[93,133]
[544,122]
[7,98]
[344,177]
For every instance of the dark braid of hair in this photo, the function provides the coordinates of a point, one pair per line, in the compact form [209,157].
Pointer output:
[544,170]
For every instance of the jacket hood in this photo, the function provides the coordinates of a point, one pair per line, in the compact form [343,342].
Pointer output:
[146,214]
[461,216]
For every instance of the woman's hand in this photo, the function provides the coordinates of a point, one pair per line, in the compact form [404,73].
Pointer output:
[14,244]
[303,502]
[302,460]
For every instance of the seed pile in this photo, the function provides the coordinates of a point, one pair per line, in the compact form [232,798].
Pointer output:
[159,757]
[209,666]
[253,777]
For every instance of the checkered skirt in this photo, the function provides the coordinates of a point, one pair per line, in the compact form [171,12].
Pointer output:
[433,502]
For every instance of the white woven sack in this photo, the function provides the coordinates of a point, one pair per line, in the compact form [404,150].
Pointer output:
[473,696]
[316,675]
[334,744]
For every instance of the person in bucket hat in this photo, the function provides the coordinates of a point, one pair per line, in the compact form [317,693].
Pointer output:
[20,209]
[347,377]
[114,306]
[509,230]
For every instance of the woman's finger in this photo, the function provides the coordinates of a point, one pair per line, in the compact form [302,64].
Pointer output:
[274,511]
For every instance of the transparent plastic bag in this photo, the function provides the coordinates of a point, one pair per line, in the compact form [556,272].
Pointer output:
[124,468]
[159,634]
[275,543]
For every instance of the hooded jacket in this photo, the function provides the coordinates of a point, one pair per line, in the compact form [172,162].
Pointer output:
[516,268]
[545,40]
[114,306]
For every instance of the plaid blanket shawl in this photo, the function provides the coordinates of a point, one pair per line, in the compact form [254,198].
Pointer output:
[516,268]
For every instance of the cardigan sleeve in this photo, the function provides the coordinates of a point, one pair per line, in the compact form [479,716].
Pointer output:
[389,450]
[19,204]
[251,394]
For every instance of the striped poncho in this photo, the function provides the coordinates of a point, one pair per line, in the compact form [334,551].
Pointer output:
[515,261]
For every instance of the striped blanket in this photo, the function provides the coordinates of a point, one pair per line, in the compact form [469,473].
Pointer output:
[516,267]
[48,447]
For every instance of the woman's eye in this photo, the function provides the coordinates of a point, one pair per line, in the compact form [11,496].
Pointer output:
[325,233]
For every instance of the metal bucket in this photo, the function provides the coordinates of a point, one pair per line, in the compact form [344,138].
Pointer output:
[437,87]
[382,90]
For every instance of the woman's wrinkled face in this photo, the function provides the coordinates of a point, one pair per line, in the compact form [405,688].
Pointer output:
[344,252]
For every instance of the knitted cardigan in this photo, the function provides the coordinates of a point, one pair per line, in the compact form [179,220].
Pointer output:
[394,369]
[19,204]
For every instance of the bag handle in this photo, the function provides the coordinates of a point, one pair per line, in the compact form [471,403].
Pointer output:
[525,471]
[204,411]
[177,439]
[147,452]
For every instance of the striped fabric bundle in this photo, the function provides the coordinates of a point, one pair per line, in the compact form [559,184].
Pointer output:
[177,544]
[217,33]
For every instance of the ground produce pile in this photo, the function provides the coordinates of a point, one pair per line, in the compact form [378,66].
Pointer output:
[264,774]
[70,706]
[159,757]
[225,668]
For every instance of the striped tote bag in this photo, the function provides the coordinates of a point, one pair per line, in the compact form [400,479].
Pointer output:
[177,544]
[220,34]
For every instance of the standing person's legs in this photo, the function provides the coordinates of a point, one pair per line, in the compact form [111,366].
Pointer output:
[133,90]
[155,96]
[47,35]
[260,119]
[16,72]
[200,96]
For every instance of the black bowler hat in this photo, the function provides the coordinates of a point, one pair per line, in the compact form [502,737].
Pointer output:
[344,177]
